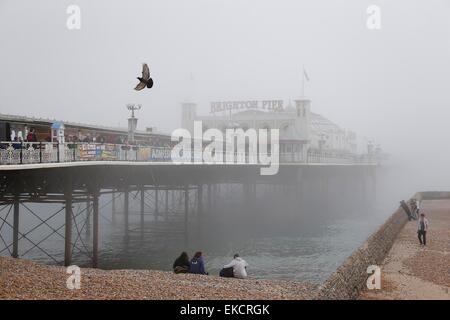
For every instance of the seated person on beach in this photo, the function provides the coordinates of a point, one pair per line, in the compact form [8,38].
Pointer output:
[181,264]
[237,268]
[197,265]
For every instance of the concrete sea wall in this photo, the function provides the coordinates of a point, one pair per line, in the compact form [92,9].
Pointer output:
[350,278]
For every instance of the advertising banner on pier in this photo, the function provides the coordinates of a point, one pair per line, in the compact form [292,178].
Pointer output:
[160,154]
[97,152]
[144,153]
[108,152]
[87,151]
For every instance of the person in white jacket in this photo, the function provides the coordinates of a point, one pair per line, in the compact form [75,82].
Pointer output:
[239,266]
[422,228]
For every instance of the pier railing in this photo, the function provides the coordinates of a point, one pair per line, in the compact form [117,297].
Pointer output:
[14,153]
[325,156]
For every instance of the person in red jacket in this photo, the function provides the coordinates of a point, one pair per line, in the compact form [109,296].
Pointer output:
[31,136]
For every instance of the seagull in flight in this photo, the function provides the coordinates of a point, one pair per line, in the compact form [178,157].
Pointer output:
[145,80]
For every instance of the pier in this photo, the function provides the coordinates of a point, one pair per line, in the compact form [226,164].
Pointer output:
[70,179]
[182,195]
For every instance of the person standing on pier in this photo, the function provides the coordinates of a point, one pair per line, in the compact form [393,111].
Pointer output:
[422,229]
[31,136]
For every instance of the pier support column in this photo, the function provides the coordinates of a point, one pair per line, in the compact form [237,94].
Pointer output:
[299,191]
[68,229]
[186,214]
[167,206]
[88,217]
[208,200]
[126,207]
[96,230]
[156,204]
[113,207]
[216,195]
[247,196]
[373,184]
[212,194]
[142,209]
[325,180]
[200,211]
[15,252]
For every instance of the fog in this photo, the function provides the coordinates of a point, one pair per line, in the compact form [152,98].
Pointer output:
[389,85]
[281,233]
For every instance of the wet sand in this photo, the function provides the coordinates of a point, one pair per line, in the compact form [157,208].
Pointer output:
[411,271]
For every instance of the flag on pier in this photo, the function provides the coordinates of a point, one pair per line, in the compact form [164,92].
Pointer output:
[305,75]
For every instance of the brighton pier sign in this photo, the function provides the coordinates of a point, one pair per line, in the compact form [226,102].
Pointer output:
[270,105]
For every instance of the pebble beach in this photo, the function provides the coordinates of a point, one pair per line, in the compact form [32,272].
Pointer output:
[24,279]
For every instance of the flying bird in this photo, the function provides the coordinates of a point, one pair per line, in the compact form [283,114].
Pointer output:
[145,80]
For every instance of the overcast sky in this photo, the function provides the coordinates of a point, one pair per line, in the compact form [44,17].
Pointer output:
[390,85]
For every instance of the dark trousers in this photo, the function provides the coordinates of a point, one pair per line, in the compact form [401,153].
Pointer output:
[422,235]
[227,272]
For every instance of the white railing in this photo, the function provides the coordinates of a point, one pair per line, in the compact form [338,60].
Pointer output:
[47,152]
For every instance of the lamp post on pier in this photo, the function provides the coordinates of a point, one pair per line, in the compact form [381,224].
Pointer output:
[132,121]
